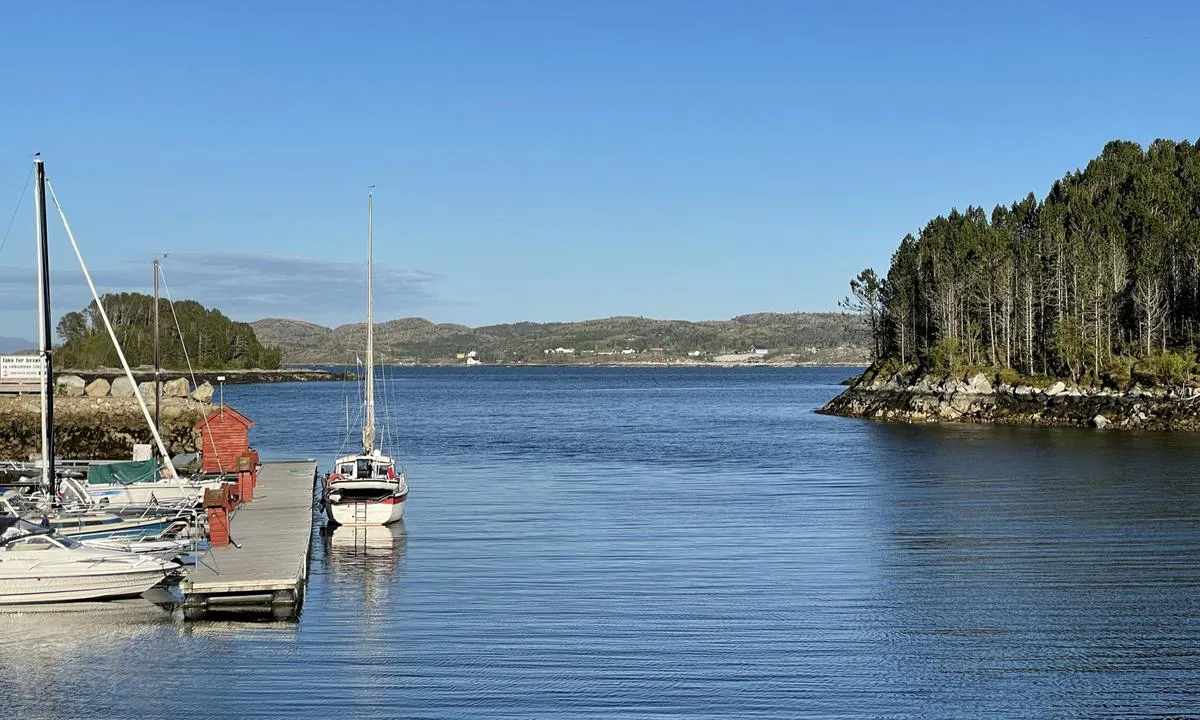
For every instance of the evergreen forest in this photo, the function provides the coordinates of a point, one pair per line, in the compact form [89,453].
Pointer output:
[1098,282]
[213,341]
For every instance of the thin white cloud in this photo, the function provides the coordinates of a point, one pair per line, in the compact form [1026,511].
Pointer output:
[245,286]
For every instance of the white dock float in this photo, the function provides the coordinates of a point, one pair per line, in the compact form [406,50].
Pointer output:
[269,569]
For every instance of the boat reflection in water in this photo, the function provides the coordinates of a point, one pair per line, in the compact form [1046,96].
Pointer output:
[371,553]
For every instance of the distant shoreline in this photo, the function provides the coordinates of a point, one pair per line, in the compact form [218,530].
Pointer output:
[232,377]
[633,365]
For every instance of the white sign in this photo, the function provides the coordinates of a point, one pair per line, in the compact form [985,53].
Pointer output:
[18,368]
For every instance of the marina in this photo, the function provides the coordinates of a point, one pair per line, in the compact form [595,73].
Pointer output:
[264,566]
[617,361]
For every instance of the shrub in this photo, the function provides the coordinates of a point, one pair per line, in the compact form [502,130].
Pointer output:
[1009,376]
[1162,369]
[1117,372]
[944,356]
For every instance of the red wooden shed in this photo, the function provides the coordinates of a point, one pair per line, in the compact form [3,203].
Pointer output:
[225,447]
[224,440]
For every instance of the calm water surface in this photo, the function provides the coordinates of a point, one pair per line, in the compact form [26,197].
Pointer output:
[682,543]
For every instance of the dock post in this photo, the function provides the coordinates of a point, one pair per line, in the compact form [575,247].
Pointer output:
[195,607]
[284,605]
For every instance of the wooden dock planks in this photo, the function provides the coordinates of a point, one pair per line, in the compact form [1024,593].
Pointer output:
[271,566]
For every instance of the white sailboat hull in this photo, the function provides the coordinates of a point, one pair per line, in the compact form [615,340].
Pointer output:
[367,512]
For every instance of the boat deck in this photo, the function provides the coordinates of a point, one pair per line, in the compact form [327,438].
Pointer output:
[269,569]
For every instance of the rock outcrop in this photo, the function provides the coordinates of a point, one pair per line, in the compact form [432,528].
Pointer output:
[95,427]
[927,398]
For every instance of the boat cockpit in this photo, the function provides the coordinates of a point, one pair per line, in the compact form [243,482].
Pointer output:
[364,468]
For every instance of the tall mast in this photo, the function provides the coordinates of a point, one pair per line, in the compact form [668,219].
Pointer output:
[369,424]
[43,258]
[157,356]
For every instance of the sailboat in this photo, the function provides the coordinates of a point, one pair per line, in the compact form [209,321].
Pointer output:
[36,563]
[140,482]
[367,488]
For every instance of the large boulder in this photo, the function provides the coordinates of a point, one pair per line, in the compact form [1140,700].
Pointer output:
[1100,422]
[1056,389]
[962,403]
[121,387]
[953,385]
[979,385]
[203,392]
[97,388]
[178,387]
[70,385]
[146,390]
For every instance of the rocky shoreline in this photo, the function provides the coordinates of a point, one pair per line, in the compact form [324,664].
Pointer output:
[232,377]
[924,398]
[103,428]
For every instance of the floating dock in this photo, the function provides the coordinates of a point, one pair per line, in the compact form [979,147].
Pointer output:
[266,569]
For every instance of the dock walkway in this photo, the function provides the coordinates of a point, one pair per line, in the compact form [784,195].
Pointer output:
[269,569]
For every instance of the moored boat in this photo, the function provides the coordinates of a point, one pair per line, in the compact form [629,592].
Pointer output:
[39,566]
[367,488]
[169,544]
[141,483]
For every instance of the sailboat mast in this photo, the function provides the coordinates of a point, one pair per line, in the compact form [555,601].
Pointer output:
[44,348]
[157,355]
[369,423]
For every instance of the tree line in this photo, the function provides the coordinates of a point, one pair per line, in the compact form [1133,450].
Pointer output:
[1098,281]
[212,340]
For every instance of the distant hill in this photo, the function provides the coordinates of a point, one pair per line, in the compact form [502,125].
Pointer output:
[12,345]
[832,337]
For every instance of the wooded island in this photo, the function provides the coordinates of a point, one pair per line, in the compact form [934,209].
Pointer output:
[1097,284]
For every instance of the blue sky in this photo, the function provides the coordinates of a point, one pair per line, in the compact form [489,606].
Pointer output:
[548,160]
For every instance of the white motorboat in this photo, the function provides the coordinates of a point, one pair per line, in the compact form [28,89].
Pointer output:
[367,488]
[38,566]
